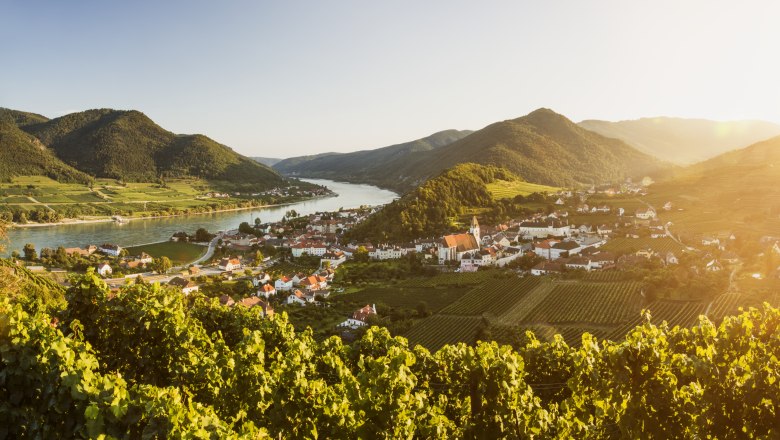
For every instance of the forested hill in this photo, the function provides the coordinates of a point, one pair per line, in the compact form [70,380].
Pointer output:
[541,147]
[684,141]
[432,208]
[149,362]
[128,145]
[366,166]
[22,154]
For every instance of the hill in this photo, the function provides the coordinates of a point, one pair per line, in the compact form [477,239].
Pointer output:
[736,191]
[366,166]
[541,147]
[128,145]
[434,208]
[22,154]
[267,161]
[684,141]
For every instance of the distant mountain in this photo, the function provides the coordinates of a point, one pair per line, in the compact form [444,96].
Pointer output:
[128,145]
[684,141]
[433,208]
[366,166]
[21,154]
[541,147]
[267,161]
[735,191]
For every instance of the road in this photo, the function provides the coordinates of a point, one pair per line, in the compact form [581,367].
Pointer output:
[210,251]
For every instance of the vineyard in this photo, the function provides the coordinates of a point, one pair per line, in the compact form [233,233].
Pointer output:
[493,298]
[594,303]
[439,330]
[452,279]
[404,297]
[605,276]
[674,313]
[660,245]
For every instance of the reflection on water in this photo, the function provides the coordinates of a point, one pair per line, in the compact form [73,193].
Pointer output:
[152,230]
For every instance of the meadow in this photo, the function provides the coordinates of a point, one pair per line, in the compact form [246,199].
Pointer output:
[178,252]
[503,189]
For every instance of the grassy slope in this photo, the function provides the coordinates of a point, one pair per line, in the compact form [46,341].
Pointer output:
[179,253]
[684,141]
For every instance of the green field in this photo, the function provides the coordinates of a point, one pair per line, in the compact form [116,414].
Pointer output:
[106,197]
[502,189]
[179,253]
[402,297]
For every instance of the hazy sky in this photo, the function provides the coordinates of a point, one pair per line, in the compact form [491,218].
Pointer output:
[291,77]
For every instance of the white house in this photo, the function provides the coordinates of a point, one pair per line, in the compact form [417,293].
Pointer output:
[645,213]
[186,286]
[104,270]
[266,290]
[229,264]
[546,267]
[541,229]
[283,284]
[316,249]
[110,249]
[299,298]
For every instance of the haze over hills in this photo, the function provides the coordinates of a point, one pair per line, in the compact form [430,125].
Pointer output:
[128,145]
[366,165]
[541,147]
[267,161]
[738,191]
[22,154]
[684,141]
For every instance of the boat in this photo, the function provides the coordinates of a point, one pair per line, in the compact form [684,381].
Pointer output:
[118,219]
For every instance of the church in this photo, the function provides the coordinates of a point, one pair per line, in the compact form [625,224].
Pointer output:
[453,247]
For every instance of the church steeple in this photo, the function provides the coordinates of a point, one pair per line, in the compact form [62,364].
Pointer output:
[474,229]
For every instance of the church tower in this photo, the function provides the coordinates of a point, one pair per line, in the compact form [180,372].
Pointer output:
[474,229]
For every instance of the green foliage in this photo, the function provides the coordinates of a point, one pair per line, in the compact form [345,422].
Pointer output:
[128,146]
[432,208]
[147,362]
[541,147]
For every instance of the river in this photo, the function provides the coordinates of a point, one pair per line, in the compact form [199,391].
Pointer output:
[142,231]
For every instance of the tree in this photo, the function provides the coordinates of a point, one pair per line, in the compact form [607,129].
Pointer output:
[259,258]
[161,265]
[202,235]
[29,252]
[361,254]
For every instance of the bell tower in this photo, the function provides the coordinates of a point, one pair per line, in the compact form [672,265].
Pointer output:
[474,229]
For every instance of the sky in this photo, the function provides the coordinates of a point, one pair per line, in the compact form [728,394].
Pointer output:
[288,78]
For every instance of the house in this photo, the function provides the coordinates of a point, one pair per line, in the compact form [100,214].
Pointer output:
[668,206]
[710,241]
[193,270]
[186,286]
[559,201]
[602,259]
[453,247]
[112,250]
[387,253]
[333,259]
[314,282]
[266,290]
[645,253]
[313,248]
[581,263]
[546,267]
[229,264]
[283,284]
[104,270]
[713,266]
[359,317]
[299,298]
[144,258]
[226,300]
[564,249]
[542,229]
[670,258]
[645,213]
[261,279]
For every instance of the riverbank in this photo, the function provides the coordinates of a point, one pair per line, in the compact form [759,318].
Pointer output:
[109,219]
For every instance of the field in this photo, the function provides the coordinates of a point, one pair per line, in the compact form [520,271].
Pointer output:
[105,198]
[660,245]
[402,297]
[502,189]
[546,306]
[179,253]
[452,279]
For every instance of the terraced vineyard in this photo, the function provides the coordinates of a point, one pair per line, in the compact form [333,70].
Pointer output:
[674,313]
[438,330]
[407,298]
[605,276]
[510,334]
[453,279]
[726,304]
[493,298]
[660,245]
[595,303]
